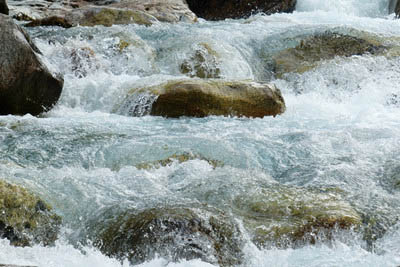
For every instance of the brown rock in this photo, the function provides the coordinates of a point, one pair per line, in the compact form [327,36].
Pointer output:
[200,98]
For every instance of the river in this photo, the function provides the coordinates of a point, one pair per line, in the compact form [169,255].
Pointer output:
[341,130]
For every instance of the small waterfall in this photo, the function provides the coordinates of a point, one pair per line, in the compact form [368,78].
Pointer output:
[364,8]
[137,105]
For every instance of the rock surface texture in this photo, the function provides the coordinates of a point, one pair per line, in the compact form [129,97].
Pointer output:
[25,219]
[223,9]
[319,47]
[173,233]
[106,13]
[26,85]
[286,216]
[200,98]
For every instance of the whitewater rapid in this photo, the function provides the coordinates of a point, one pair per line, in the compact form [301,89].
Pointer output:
[341,129]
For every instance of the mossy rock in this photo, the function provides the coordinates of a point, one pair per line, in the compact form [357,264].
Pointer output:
[319,47]
[112,16]
[25,219]
[200,98]
[174,233]
[184,157]
[204,63]
[285,216]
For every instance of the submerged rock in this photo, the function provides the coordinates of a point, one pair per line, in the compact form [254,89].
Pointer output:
[173,233]
[3,7]
[25,219]
[325,46]
[284,216]
[26,84]
[203,63]
[222,9]
[178,158]
[200,98]
[82,61]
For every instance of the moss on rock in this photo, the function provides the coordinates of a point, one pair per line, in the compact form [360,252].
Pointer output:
[112,16]
[283,216]
[25,219]
[324,46]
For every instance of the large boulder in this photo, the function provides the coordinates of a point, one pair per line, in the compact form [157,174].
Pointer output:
[25,219]
[223,9]
[3,7]
[289,216]
[324,46]
[107,13]
[26,84]
[174,233]
[200,98]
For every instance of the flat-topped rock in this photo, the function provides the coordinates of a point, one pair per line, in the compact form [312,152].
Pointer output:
[200,98]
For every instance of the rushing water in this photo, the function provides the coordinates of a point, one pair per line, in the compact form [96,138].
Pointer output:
[341,130]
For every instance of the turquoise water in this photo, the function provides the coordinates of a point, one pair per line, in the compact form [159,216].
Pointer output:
[341,130]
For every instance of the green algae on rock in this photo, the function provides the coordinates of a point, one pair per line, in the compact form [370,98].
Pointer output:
[25,219]
[319,47]
[112,16]
[283,216]
[201,98]
[173,233]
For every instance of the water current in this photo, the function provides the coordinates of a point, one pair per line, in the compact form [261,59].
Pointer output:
[341,130]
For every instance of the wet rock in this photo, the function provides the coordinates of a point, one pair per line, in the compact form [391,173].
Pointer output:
[319,47]
[173,233]
[26,84]
[178,158]
[222,9]
[203,63]
[67,14]
[82,61]
[394,7]
[48,21]
[110,16]
[3,7]
[200,98]
[163,10]
[288,216]
[25,219]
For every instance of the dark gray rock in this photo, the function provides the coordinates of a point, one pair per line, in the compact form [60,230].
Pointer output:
[3,7]
[223,9]
[26,85]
